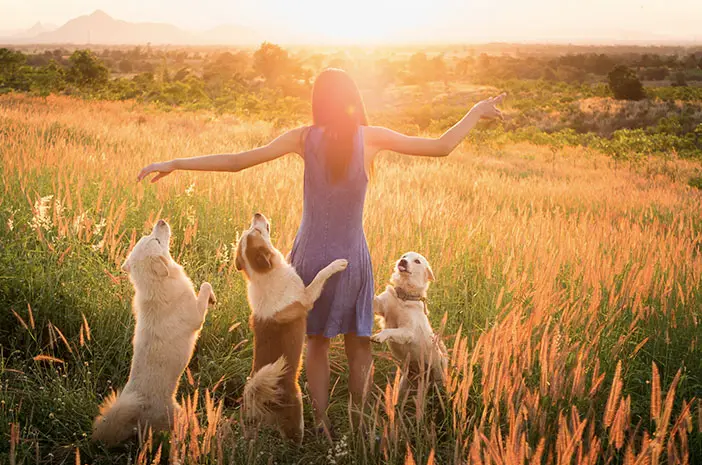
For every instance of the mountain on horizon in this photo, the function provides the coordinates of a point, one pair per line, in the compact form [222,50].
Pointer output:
[35,30]
[99,28]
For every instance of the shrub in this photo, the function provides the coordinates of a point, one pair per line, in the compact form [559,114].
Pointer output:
[87,70]
[679,79]
[624,84]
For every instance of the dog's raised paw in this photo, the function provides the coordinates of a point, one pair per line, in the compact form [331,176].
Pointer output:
[207,287]
[340,264]
[379,337]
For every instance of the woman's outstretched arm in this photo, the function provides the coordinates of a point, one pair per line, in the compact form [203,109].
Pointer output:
[380,138]
[290,142]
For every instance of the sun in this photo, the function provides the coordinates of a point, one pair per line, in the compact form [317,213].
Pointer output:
[360,21]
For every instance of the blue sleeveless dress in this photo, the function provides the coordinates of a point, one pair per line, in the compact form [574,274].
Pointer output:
[331,228]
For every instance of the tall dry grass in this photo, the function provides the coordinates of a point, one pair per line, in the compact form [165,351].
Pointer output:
[570,293]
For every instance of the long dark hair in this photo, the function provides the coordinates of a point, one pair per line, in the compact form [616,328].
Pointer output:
[337,107]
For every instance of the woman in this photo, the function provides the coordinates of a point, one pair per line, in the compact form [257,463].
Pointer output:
[338,151]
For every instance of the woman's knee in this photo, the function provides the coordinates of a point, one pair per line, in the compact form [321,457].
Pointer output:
[352,342]
[358,350]
[317,344]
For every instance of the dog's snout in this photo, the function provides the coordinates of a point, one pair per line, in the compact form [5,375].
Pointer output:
[161,223]
[403,262]
[258,216]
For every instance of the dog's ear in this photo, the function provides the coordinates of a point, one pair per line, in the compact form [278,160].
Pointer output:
[239,261]
[159,265]
[430,274]
[262,259]
[259,256]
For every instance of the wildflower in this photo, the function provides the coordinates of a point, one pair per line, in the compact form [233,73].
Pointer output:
[190,215]
[97,229]
[190,190]
[41,218]
[78,223]
[59,207]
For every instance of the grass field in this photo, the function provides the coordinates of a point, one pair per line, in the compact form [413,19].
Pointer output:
[569,289]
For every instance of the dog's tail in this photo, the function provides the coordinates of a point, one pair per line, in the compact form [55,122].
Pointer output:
[263,390]
[118,417]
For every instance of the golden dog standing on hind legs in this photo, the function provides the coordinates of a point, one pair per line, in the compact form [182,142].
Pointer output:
[404,317]
[169,317]
[279,304]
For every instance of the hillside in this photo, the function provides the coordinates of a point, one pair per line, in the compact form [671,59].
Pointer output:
[101,28]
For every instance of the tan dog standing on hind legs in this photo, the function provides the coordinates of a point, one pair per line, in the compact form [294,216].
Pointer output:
[169,317]
[404,317]
[279,304]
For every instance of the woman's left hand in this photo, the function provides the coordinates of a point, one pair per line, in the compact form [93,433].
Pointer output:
[488,108]
[163,169]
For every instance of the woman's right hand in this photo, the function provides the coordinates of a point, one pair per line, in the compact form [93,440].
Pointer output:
[488,108]
[163,169]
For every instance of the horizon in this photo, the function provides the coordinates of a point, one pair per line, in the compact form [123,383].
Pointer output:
[633,22]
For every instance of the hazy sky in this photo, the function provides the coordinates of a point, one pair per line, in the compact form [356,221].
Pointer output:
[372,20]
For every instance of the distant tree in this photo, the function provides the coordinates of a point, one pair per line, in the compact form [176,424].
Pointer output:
[549,75]
[465,66]
[271,61]
[484,61]
[671,61]
[691,61]
[144,80]
[38,59]
[165,74]
[600,64]
[182,74]
[439,70]
[386,72]
[419,68]
[49,79]
[624,84]
[180,57]
[126,66]
[679,79]
[13,73]
[87,70]
[571,74]
[225,66]
[135,53]
[650,60]
[11,60]
[655,74]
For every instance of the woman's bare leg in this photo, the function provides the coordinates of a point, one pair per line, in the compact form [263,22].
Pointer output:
[358,352]
[317,366]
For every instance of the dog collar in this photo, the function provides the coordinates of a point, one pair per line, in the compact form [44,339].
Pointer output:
[406,296]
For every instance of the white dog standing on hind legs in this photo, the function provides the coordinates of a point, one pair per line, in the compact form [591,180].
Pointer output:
[405,323]
[169,317]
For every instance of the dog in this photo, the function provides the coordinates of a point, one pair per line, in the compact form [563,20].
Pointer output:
[169,317]
[403,315]
[279,304]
